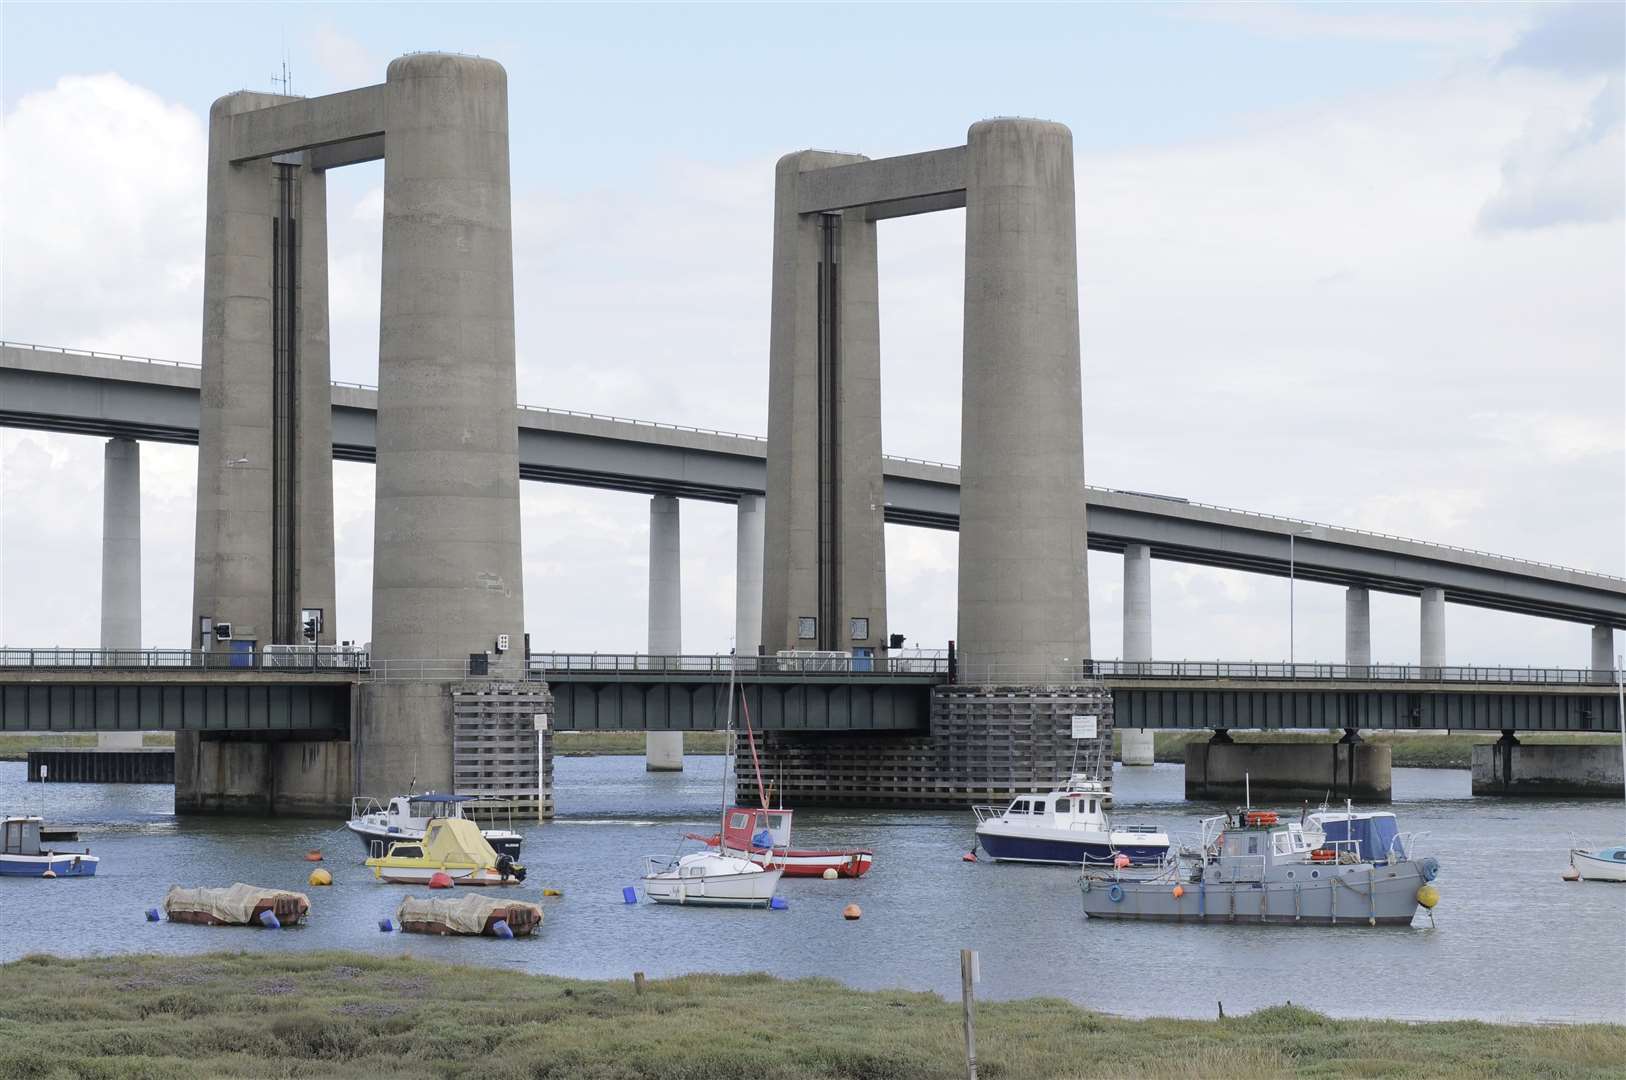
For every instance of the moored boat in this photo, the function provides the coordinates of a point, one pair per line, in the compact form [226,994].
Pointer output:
[470,915]
[707,879]
[1255,868]
[406,817]
[1070,826]
[450,846]
[1603,864]
[763,837]
[237,905]
[22,853]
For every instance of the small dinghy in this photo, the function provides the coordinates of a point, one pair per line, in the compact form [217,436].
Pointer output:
[452,847]
[239,905]
[21,853]
[1604,864]
[470,916]
[707,879]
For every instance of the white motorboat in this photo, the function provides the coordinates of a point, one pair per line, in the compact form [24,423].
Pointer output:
[408,816]
[1069,827]
[21,853]
[1605,864]
[709,879]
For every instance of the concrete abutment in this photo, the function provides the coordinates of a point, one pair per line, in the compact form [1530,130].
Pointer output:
[1229,770]
[1511,768]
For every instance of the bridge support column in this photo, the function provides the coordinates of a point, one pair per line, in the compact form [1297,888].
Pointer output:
[1432,650]
[258,774]
[1137,746]
[1357,629]
[663,750]
[748,575]
[1346,769]
[1507,767]
[1603,654]
[121,562]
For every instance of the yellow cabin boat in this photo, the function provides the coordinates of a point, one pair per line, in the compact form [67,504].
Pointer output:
[450,846]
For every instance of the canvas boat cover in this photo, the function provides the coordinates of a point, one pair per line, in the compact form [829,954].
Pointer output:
[233,905]
[456,842]
[465,914]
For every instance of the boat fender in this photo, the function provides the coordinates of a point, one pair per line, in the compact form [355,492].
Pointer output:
[629,895]
[501,929]
[385,926]
[48,872]
[778,903]
[1120,861]
[1116,894]
[1428,896]
[1179,891]
[440,880]
[152,914]
[269,920]
[1430,867]
[829,873]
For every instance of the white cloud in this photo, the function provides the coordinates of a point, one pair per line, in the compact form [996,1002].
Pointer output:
[343,62]
[1566,168]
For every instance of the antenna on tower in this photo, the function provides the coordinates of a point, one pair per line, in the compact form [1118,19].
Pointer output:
[285,80]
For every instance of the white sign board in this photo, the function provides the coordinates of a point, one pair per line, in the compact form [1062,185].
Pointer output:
[1084,727]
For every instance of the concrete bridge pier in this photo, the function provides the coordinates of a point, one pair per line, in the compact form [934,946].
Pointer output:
[1137,744]
[1357,628]
[748,536]
[121,562]
[1350,768]
[1508,767]
[1431,652]
[1603,654]
[263,775]
[663,750]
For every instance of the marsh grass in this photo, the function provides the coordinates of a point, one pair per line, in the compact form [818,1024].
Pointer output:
[16,747]
[357,1015]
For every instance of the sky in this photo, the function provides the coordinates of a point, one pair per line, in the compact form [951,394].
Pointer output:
[1360,264]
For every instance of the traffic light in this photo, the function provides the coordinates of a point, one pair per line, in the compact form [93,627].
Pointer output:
[309,630]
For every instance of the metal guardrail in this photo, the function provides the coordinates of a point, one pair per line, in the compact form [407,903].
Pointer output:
[291,658]
[719,665]
[1265,671]
[1279,518]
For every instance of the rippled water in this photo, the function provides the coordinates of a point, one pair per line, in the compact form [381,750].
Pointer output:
[1510,939]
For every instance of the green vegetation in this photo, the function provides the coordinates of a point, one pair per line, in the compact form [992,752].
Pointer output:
[1417,750]
[360,1015]
[595,743]
[16,747]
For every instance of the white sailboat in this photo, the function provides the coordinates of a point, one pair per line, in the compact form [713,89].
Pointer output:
[1609,863]
[709,878]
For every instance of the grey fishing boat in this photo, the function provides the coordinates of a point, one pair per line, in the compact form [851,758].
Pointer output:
[1251,867]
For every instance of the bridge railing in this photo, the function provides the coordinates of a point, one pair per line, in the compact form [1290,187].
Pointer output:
[706,664]
[285,658]
[1266,670]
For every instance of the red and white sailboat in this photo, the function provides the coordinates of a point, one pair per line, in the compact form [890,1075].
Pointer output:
[762,835]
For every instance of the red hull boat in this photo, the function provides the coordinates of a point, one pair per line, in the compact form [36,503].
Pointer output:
[763,836]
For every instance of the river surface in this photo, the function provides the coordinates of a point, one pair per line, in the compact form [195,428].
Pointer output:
[1510,940]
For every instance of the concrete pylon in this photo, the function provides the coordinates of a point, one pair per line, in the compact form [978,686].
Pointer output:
[1603,653]
[824,572]
[1357,627]
[264,542]
[446,549]
[663,750]
[1023,576]
[1431,652]
[748,539]
[121,562]
[1138,747]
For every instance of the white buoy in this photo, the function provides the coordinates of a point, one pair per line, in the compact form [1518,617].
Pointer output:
[830,873]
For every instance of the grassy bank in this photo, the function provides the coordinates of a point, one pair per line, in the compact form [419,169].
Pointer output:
[594,743]
[1409,749]
[16,747]
[355,1014]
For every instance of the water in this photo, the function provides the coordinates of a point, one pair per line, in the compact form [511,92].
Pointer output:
[1511,941]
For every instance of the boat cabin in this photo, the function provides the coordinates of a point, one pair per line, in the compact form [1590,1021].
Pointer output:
[746,829]
[20,836]
[1372,837]
[410,811]
[1084,807]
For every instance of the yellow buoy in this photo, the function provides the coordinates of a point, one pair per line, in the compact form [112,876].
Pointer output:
[551,892]
[320,877]
[1428,896]
[830,873]
[852,912]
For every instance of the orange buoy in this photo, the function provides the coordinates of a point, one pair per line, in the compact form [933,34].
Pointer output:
[1179,891]
[440,880]
[852,912]
[313,855]
[1120,860]
[970,856]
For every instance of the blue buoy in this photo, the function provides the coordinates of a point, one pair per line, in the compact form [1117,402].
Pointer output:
[268,919]
[152,914]
[778,903]
[629,895]
[385,926]
[502,930]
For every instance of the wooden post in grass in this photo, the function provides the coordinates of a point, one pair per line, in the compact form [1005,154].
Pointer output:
[638,981]
[968,964]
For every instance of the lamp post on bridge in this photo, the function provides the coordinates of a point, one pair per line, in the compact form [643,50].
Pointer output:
[1291,537]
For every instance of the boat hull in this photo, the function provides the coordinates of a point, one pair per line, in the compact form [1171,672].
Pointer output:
[522,922]
[1592,868]
[460,875]
[714,890]
[1343,896]
[62,865]
[1011,847]
[287,910]
[802,863]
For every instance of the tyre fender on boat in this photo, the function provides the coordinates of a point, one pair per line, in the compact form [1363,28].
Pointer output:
[1116,894]
[1429,866]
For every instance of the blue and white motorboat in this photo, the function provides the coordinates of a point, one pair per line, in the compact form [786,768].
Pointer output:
[1600,864]
[407,817]
[1068,827]
[21,853]
[1370,835]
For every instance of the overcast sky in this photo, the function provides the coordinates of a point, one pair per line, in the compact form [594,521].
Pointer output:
[1362,265]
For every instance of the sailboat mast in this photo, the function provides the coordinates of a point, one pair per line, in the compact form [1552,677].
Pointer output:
[728,733]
